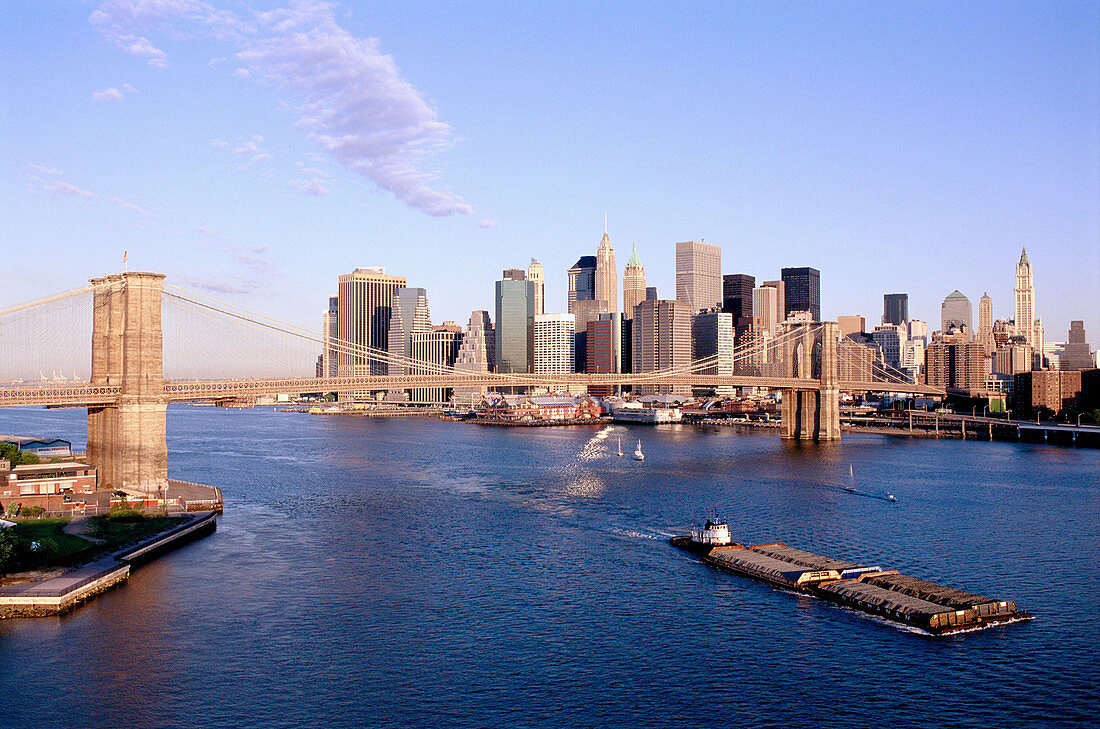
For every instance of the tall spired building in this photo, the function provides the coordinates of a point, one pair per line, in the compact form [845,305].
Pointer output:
[607,276]
[633,283]
[1027,324]
[535,275]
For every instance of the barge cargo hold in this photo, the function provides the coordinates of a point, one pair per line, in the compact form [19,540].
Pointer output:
[933,608]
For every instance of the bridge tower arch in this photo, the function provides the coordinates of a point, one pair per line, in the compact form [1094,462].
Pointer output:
[127,442]
[812,414]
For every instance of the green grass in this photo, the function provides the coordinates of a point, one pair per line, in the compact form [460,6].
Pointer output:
[124,528]
[56,547]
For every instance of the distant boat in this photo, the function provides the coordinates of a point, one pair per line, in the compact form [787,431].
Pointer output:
[851,480]
[891,497]
[620,445]
[638,455]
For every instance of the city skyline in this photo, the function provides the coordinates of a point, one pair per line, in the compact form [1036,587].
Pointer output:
[195,152]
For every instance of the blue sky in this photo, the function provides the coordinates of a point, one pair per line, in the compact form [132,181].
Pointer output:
[255,150]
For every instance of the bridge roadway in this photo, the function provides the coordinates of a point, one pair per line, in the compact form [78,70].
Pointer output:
[81,394]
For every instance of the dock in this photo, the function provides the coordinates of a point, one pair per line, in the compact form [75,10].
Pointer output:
[65,592]
[933,608]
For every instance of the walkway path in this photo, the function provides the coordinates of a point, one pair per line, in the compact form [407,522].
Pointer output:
[78,527]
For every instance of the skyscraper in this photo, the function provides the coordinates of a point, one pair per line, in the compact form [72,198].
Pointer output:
[329,334]
[985,324]
[765,307]
[582,281]
[515,315]
[409,316]
[895,308]
[661,339]
[956,364]
[737,295]
[554,343]
[851,324]
[955,311]
[698,275]
[476,353]
[601,345]
[712,338]
[606,276]
[633,283]
[780,298]
[365,300]
[1025,320]
[436,348]
[1077,355]
[802,291]
[535,276]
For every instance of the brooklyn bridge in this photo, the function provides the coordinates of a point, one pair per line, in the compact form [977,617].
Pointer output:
[152,344]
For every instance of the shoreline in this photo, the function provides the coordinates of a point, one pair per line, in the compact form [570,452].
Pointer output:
[61,594]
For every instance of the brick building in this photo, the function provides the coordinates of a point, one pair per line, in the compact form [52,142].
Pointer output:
[1050,389]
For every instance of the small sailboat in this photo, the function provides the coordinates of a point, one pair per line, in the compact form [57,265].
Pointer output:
[638,455]
[851,480]
[620,445]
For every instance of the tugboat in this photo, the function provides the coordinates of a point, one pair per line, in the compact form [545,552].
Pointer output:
[715,532]
[638,455]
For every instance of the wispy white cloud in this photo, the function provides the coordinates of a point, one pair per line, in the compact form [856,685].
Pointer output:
[124,22]
[43,170]
[313,180]
[234,285]
[108,94]
[351,99]
[64,188]
[42,179]
[130,206]
[211,233]
[112,94]
[487,223]
[250,152]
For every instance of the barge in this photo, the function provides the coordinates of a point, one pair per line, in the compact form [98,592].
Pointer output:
[930,607]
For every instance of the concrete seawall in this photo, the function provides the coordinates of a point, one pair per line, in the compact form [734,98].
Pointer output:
[59,595]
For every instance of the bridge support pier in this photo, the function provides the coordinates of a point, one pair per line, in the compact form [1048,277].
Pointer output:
[127,442]
[812,414]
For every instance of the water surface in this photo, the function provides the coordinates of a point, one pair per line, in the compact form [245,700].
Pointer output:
[377,572]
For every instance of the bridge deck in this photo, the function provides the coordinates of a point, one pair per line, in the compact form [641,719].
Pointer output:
[187,391]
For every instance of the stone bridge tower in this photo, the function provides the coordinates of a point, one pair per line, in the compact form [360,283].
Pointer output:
[812,355]
[127,442]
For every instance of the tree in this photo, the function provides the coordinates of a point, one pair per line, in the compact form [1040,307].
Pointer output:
[11,453]
[8,551]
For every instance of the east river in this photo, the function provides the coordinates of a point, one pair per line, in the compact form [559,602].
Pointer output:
[411,572]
